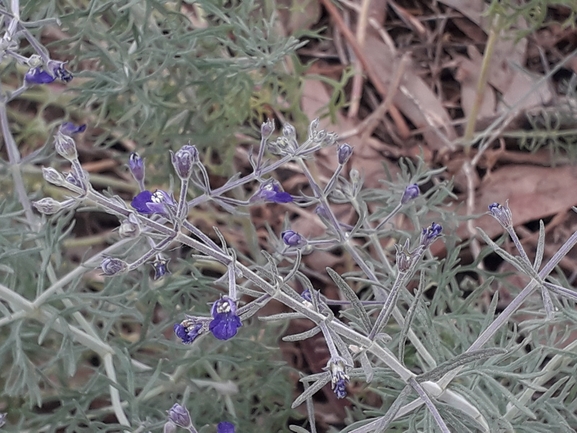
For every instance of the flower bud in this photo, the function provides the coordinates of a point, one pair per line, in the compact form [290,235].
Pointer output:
[293,239]
[267,128]
[66,147]
[64,143]
[313,126]
[431,233]
[404,257]
[180,416]
[184,160]
[111,266]
[136,167]
[53,176]
[289,131]
[502,214]
[47,206]
[411,192]
[344,152]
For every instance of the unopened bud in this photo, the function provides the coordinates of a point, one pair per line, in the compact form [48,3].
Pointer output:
[344,152]
[184,159]
[63,141]
[66,147]
[112,266]
[411,192]
[180,416]
[53,176]
[136,166]
[267,128]
[293,239]
[502,214]
[47,206]
[289,131]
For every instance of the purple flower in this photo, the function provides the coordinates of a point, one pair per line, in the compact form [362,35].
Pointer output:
[502,214]
[271,192]
[225,322]
[189,329]
[69,128]
[147,202]
[293,239]
[183,160]
[344,152]
[136,167]
[225,427]
[431,233]
[38,76]
[160,268]
[411,192]
[180,416]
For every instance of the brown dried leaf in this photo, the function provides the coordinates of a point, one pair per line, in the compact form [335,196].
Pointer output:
[533,193]
[413,98]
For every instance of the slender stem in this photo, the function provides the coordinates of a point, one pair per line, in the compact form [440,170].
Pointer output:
[481,84]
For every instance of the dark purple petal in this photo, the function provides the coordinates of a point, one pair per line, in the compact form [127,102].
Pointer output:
[141,201]
[187,330]
[281,197]
[224,326]
[340,388]
[62,74]
[38,76]
[160,268]
[69,128]
[431,233]
[225,427]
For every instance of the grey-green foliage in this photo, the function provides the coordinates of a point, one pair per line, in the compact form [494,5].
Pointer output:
[161,72]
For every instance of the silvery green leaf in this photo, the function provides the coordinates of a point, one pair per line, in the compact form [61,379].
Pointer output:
[540,247]
[310,391]
[302,335]
[220,236]
[366,366]
[352,298]
[547,303]
[562,291]
[410,316]
[298,429]
[459,360]
[281,316]
[515,261]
